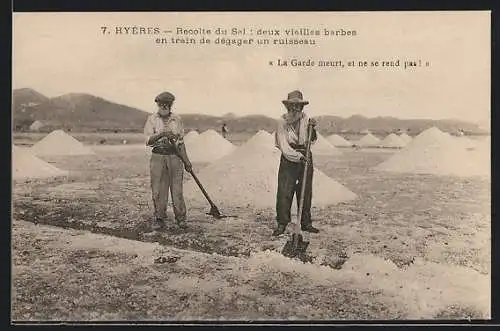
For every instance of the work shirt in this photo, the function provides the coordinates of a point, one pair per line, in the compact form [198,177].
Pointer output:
[287,134]
[156,124]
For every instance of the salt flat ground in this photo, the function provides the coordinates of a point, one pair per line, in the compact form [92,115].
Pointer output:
[410,247]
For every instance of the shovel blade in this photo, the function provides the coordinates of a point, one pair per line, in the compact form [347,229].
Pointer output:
[214,211]
[295,247]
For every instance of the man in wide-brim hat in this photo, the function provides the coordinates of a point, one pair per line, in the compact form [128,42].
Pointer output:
[291,137]
[164,133]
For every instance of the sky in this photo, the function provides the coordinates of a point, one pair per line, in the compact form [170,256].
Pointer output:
[59,53]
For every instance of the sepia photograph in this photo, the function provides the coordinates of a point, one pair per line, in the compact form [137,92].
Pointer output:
[251,166]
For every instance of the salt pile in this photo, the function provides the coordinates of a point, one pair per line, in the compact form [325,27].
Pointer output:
[484,147]
[421,290]
[406,138]
[248,177]
[484,144]
[27,165]
[191,135]
[368,140]
[262,138]
[338,141]
[466,142]
[59,142]
[482,154]
[433,152]
[323,147]
[208,146]
[392,141]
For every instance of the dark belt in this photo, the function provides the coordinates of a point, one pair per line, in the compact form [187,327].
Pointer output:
[299,148]
[164,150]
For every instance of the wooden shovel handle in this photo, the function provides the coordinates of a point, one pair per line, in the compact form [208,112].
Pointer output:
[304,178]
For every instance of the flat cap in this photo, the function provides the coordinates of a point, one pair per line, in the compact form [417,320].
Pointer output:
[165,97]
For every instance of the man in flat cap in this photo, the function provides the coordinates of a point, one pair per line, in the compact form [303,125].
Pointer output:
[291,137]
[164,133]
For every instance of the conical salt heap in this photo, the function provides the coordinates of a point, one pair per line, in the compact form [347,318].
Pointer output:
[323,147]
[59,142]
[338,141]
[368,140]
[482,154]
[405,137]
[261,138]
[248,178]
[190,136]
[27,165]
[392,141]
[208,146]
[465,142]
[433,152]
[484,147]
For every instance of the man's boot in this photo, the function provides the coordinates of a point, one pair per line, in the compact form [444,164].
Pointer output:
[280,230]
[158,223]
[309,228]
[182,224]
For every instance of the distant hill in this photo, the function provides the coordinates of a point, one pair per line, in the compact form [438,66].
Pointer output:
[26,97]
[85,112]
[24,102]
[249,123]
[229,115]
[77,111]
[387,124]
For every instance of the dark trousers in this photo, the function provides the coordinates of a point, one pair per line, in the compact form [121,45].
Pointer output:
[167,173]
[289,183]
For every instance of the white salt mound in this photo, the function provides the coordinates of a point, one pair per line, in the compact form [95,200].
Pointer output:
[262,138]
[482,154]
[433,152]
[392,141]
[466,142]
[368,140]
[59,142]
[338,141]
[406,138]
[191,135]
[208,146]
[27,165]
[323,147]
[248,177]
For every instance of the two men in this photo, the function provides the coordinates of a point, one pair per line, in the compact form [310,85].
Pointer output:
[164,132]
[291,137]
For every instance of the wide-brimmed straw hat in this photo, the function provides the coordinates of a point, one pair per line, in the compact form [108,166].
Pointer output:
[295,97]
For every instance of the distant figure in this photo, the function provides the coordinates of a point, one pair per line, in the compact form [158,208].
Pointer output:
[224,130]
[124,141]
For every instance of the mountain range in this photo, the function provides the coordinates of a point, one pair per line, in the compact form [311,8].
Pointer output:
[89,113]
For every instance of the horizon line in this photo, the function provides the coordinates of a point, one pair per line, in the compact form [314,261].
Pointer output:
[478,123]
